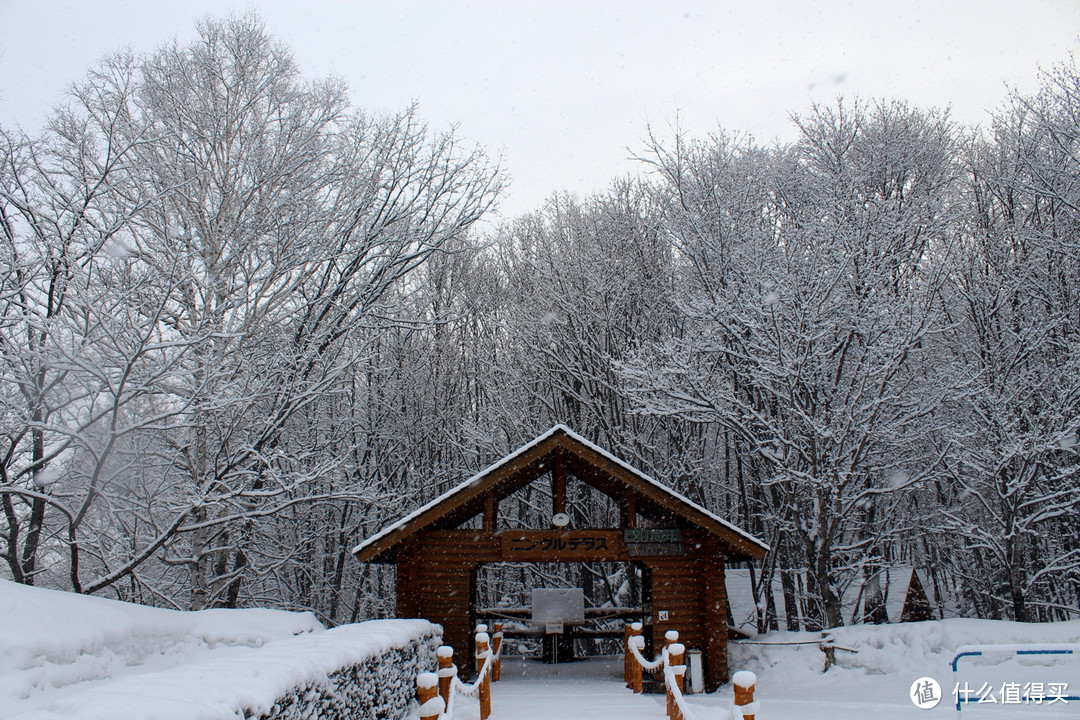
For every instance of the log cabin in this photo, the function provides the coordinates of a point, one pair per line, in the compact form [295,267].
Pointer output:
[680,547]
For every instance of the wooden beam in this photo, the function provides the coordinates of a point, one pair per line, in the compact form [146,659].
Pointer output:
[628,509]
[407,579]
[558,483]
[491,512]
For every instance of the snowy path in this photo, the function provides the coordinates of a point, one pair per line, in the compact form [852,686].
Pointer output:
[585,690]
[594,690]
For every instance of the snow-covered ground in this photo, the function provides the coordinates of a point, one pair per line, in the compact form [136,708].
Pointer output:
[71,657]
[876,681]
[871,684]
[67,657]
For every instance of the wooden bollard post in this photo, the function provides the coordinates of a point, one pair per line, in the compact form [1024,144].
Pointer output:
[480,657]
[744,682]
[637,641]
[496,645]
[680,674]
[447,671]
[670,637]
[427,692]
[632,630]
[483,650]
[676,653]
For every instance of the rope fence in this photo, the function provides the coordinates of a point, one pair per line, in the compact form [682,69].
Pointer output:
[671,661]
[436,690]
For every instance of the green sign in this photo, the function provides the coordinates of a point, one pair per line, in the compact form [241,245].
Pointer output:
[653,542]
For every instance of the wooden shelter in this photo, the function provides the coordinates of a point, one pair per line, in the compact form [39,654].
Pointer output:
[681,546]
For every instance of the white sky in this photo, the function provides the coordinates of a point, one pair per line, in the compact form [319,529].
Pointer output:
[562,89]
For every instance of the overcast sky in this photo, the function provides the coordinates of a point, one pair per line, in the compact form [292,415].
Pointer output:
[564,91]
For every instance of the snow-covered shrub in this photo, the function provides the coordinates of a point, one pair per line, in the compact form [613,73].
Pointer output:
[65,656]
[382,685]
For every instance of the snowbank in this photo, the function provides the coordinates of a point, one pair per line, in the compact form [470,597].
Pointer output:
[889,658]
[66,656]
[902,648]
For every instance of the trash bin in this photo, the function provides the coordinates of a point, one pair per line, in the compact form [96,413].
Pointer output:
[696,670]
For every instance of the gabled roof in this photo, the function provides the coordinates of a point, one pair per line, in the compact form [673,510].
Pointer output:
[587,462]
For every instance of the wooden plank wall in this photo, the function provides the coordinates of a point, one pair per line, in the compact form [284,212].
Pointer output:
[436,577]
[715,621]
[692,590]
[679,593]
[440,581]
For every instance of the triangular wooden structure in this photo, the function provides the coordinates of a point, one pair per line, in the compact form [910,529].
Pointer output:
[683,546]
[917,606]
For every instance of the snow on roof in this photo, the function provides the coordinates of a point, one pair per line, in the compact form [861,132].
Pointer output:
[664,488]
[474,480]
[555,430]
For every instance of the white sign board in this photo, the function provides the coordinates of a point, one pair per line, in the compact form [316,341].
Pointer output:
[558,605]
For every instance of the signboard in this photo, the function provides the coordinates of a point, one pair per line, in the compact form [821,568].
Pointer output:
[654,542]
[553,629]
[552,606]
[565,545]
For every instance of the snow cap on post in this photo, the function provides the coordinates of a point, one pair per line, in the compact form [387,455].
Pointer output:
[671,635]
[445,651]
[744,679]
[427,680]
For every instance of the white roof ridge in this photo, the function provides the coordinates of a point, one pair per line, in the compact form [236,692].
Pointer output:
[659,485]
[463,485]
[553,430]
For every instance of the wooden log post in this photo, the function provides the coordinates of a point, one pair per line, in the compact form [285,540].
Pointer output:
[447,671]
[670,638]
[829,649]
[483,651]
[496,645]
[680,675]
[676,655]
[427,693]
[481,629]
[637,641]
[632,630]
[744,682]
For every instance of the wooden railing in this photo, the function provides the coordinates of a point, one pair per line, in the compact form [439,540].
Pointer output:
[436,690]
[671,661]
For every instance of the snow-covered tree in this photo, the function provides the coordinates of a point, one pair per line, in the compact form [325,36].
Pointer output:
[269,227]
[1014,490]
[76,353]
[809,291]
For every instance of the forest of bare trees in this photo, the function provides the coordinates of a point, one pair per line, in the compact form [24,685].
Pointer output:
[245,324]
